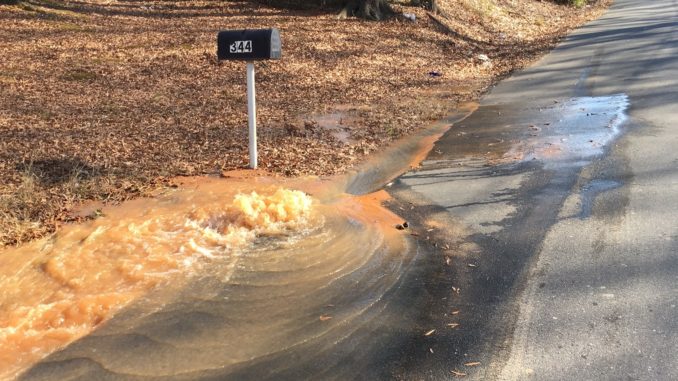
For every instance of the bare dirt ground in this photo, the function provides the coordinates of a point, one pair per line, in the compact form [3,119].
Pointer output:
[107,100]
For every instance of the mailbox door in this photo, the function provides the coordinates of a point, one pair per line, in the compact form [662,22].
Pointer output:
[249,44]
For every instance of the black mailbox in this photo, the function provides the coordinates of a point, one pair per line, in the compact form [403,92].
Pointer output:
[249,44]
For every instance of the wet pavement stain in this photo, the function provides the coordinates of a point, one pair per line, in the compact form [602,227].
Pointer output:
[503,173]
[558,132]
[591,190]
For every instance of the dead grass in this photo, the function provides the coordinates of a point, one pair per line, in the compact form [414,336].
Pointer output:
[108,100]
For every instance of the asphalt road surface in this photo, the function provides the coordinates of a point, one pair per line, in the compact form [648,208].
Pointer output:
[566,181]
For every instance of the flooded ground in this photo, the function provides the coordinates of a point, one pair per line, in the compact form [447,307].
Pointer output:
[59,289]
[255,278]
[282,240]
[280,262]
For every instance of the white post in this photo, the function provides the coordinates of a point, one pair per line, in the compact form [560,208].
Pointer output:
[252,114]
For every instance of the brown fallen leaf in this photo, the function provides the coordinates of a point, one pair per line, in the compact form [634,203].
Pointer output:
[472,363]
[457,373]
[325,317]
[429,333]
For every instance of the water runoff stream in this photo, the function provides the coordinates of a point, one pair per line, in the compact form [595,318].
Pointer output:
[207,279]
[245,278]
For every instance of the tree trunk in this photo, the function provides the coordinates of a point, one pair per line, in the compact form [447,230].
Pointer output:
[433,6]
[368,9]
[374,9]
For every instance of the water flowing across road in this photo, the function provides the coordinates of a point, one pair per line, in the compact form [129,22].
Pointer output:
[210,279]
[269,257]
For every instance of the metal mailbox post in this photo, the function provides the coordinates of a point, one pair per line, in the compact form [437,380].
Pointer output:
[250,45]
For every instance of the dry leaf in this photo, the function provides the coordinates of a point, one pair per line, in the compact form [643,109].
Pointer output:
[457,373]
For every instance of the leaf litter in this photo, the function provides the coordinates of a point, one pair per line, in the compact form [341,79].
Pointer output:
[117,98]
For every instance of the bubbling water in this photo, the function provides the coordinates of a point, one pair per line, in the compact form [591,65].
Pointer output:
[57,290]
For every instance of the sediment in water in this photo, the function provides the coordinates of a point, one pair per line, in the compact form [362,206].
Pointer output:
[265,241]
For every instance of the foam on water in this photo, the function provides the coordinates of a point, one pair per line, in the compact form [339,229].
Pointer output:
[57,290]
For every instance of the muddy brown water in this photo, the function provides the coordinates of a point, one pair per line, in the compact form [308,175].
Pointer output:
[276,245]
[58,289]
[215,275]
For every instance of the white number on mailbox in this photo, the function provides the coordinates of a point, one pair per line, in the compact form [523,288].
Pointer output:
[241,47]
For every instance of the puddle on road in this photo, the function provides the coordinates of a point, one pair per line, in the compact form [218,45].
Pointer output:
[562,132]
[491,155]
[577,128]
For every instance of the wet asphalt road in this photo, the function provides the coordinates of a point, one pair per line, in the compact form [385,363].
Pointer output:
[564,187]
